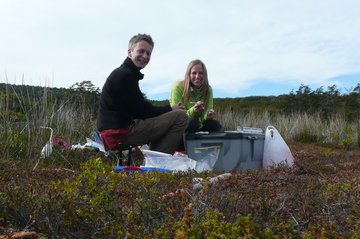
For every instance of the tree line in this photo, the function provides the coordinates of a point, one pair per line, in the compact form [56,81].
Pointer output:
[328,102]
[305,100]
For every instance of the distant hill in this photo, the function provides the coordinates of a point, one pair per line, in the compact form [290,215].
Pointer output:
[32,92]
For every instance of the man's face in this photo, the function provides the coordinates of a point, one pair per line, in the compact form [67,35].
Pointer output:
[141,54]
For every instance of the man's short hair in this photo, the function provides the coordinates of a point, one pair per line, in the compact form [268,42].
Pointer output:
[140,37]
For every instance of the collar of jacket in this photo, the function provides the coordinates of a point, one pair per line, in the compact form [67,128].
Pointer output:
[133,68]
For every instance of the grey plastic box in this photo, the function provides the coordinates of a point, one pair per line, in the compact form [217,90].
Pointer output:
[239,151]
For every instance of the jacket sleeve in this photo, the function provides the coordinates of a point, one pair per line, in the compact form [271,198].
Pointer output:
[142,108]
[176,96]
[133,100]
[209,106]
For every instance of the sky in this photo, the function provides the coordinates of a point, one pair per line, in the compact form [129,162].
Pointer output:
[250,48]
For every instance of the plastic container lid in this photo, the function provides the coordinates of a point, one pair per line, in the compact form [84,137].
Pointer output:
[223,135]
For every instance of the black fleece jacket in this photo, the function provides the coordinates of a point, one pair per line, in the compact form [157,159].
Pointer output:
[122,101]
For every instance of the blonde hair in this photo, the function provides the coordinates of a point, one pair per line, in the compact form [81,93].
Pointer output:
[186,83]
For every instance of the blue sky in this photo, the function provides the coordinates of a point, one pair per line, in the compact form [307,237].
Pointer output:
[250,48]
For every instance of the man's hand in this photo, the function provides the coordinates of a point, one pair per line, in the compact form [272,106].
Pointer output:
[178,106]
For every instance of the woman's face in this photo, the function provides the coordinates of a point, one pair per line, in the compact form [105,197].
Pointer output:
[197,76]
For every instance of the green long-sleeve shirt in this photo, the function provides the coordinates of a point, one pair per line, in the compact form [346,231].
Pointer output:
[176,96]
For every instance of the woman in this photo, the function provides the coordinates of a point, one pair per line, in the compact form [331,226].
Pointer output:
[195,93]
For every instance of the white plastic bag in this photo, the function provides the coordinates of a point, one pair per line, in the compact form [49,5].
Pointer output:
[89,143]
[150,153]
[276,150]
[171,163]
[206,157]
[167,161]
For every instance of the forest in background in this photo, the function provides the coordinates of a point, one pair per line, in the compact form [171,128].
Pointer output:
[304,100]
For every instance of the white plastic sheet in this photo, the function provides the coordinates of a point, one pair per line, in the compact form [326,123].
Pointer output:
[276,151]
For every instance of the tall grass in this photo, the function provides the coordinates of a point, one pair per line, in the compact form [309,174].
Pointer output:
[21,135]
[296,126]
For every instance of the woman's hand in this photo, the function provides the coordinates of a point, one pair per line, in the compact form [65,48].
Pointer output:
[211,114]
[199,107]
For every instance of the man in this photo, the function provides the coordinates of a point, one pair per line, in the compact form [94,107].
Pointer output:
[126,116]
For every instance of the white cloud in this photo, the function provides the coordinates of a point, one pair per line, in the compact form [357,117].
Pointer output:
[241,42]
